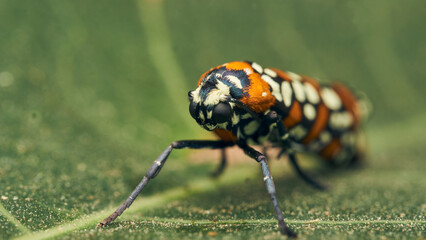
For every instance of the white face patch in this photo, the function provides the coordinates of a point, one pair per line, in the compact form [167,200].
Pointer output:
[340,120]
[196,95]
[222,87]
[309,111]
[209,114]
[251,127]
[217,95]
[257,67]
[209,126]
[270,72]
[331,99]
[213,97]
[201,116]
[275,87]
[222,125]
[299,91]
[311,93]
[287,93]
[234,80]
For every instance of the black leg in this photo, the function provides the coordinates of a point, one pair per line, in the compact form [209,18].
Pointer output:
[270,186]
[273,117]
[304,176]
[155,169]
[222,165]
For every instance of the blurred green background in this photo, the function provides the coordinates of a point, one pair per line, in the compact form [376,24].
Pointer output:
[92,91]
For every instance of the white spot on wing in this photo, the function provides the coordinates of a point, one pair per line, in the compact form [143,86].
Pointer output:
[287,93]
[309,111]
[270,72]
[299,91]
[340,120]
[311,93]
[331,99]
[325,137]
[285,136]
[257,67]
[245,116]
[294,76]
[298,132]
[275,87]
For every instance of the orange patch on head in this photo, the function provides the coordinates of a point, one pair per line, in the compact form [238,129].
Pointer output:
[237,65]
[202,77]
[294,116]
[349,101]
[331,149]
[258,96]
[319,124]
[225,135]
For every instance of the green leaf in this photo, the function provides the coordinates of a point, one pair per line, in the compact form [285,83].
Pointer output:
[91,94]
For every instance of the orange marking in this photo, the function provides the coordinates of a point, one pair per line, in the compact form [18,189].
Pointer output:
[349,101]
[294,116]
[225,135]
[319,124]
[258,96]
[202,77]
[329,151]
[237,66]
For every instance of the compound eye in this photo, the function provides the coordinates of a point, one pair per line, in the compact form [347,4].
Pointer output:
[192,109]
[222,113]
